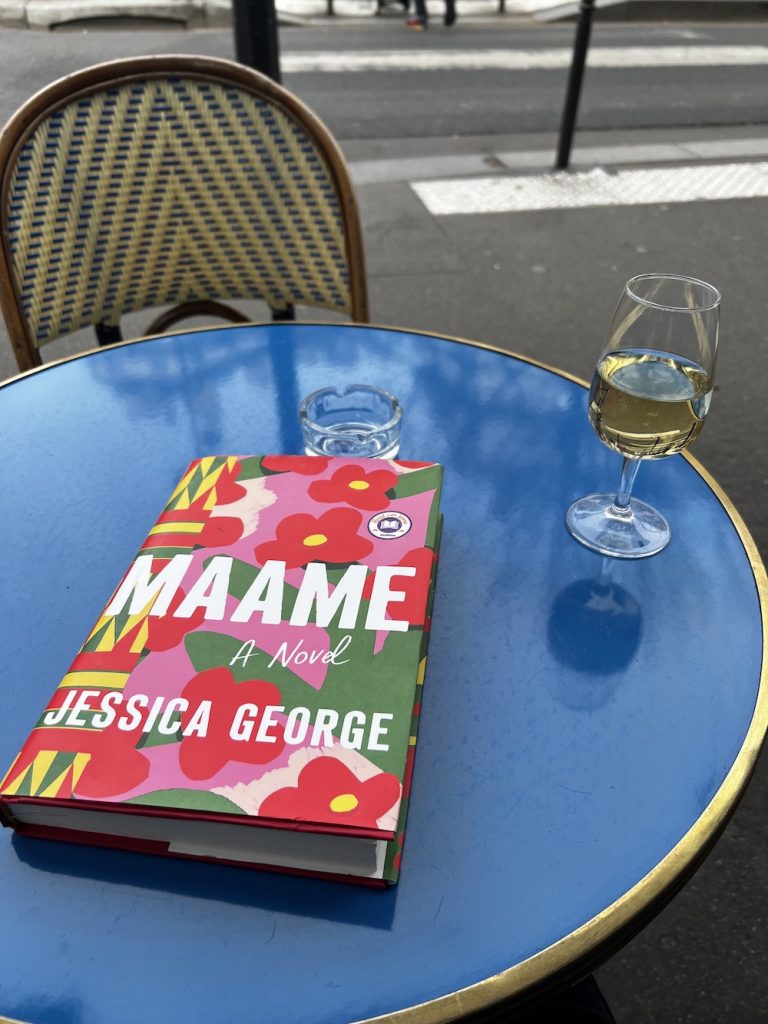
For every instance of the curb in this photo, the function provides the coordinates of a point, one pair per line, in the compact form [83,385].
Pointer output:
[661,10]
[49,14]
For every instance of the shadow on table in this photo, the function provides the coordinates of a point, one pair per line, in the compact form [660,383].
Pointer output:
[47,1010]
[245,887]
[594,629]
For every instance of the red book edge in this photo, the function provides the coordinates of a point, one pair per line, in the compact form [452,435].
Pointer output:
[148,810]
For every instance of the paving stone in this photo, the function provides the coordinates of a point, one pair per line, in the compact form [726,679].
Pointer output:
[12,10]
[44,13]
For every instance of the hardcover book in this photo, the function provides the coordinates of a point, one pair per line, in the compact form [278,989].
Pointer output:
[251,692]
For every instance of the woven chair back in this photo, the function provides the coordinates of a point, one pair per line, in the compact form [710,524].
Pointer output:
[154,181]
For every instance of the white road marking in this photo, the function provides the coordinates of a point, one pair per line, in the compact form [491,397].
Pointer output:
[522,60]
[513,193]
[365,8]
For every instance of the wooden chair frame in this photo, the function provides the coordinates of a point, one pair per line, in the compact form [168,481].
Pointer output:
[120,72]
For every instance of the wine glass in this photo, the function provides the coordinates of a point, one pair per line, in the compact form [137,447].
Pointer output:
[649,397]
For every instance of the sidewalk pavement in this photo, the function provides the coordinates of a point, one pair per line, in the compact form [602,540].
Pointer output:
[217,13]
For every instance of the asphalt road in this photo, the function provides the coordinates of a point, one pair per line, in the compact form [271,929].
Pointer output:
[417,104]
[545,283]
[439,103]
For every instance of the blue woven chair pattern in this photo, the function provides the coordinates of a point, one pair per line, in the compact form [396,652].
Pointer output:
[172,189]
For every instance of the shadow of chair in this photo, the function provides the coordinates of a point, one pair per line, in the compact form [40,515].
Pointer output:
[173,180]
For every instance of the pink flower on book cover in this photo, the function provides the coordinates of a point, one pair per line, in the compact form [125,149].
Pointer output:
[328,792]
[413,607]
[331,537]
[356,487]
[202,756]
[307,465]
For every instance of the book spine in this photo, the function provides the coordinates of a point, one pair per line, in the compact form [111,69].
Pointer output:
[395,849]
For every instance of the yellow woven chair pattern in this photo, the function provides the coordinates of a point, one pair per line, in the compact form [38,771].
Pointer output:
[177,180]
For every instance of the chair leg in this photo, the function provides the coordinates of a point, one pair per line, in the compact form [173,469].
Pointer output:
[279,315]
[106,334]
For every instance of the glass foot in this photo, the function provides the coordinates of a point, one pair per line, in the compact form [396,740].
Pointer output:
[637,532]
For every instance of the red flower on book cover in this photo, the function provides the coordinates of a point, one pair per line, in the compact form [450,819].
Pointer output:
[331,537]
[202,756]
[115,766]
[328,791]
[227,487]
[356,487]
[220,532]
[412,608]
[307,465]
[165,632]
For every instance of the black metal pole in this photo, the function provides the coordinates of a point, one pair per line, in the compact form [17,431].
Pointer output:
[255,24]
[580,47]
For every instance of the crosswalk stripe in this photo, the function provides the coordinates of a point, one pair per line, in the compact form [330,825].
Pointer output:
[522,60]
[366,8]
[515,193]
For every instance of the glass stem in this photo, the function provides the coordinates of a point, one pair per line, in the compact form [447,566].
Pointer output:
[604,576]
[628,473]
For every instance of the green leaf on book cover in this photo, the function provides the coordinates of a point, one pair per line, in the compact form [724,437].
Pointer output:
[251,468]
[371,683]
[189,799]
[155,738]
[416,482]
[434,524]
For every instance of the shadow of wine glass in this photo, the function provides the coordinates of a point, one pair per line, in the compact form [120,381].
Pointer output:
[594,629]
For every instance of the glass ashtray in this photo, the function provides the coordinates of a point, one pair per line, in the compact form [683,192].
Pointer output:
[357,421]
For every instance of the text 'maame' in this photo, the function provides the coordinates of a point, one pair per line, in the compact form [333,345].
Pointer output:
[210,591]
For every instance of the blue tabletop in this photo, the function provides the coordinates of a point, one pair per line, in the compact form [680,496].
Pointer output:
[585,722]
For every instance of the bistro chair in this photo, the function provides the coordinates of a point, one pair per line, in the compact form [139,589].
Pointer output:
[171,180]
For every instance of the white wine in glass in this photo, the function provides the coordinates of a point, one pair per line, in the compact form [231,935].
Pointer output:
[649,397]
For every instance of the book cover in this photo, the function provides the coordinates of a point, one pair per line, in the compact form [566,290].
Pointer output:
[250,693]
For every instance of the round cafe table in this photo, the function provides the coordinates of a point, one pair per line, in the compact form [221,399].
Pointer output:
[587,726]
